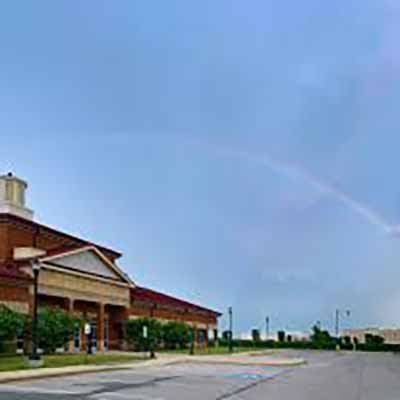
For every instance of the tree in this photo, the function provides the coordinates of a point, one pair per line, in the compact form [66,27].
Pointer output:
[10,323]
[175,334]
[347,340]
[321,339]
[55,328]
[143,334]
[374,340]
[226,335]
[255,334]
[281,336]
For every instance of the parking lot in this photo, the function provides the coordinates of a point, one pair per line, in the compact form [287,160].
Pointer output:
[326,376]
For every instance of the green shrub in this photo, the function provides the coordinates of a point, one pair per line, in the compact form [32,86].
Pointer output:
[134,333]
[175,335]
[225,335]
[55,328]
[10,323]
[373,340]
[374,347]
[322,339]
[255,334]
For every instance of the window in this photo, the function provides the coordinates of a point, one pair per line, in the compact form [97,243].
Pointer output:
[21,195]
[9,190]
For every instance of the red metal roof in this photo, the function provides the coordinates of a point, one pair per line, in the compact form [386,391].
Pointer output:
[8,217]
[144,294]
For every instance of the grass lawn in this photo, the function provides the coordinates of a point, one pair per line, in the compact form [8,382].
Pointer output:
[63,360]
[211,350]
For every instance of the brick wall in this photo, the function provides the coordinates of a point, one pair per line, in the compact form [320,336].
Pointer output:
[147,311]
[4,246]
[12,293]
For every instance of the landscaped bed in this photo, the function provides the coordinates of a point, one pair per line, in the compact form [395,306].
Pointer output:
[14,363]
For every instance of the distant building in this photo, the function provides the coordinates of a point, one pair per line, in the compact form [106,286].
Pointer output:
[391,335]
[296,336]
[80,277]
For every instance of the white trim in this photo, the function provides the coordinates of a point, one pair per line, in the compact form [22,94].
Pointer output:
[85,275]
[114,267]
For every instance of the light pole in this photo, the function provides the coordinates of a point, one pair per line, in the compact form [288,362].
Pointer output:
[266,328]
[152,338]
[337,318]
[191,337]
[35,357]
[337,321]
[230,329]
[337,326]
[32,255]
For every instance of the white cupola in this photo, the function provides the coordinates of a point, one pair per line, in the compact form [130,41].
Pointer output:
[12,196]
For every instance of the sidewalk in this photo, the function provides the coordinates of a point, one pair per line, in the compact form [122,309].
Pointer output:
[249,360]
[160,361]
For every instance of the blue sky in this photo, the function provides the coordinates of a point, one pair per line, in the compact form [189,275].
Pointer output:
[237,153]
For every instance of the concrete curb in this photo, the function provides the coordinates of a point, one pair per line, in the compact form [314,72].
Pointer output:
[43,373]
[267,363]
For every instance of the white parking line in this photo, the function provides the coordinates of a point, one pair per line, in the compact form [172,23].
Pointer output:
[19,389]
[112,395]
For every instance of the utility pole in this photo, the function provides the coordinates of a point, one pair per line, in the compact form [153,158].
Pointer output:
[337,325]
[230,329]
[337,322]
[266,328]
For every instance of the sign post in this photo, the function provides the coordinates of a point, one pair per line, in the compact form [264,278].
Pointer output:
[88,334]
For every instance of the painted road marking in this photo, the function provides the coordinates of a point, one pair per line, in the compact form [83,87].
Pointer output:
[247,376]
[19,389]
[112,395]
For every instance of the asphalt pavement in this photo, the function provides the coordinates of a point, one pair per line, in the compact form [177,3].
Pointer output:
[327,376]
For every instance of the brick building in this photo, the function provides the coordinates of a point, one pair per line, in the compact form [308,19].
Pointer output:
[81,277]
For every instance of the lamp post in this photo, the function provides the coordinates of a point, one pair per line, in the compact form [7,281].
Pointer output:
[337,321]
[35,357]
[32,255]
[337,325]
[191,337]
[230,330]
[152,338]
[267,328]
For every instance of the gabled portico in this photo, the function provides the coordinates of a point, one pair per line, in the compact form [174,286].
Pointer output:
[86,283]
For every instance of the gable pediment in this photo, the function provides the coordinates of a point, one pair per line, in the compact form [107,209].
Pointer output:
[89,261]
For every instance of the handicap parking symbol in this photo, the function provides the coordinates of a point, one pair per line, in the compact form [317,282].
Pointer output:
[247,376]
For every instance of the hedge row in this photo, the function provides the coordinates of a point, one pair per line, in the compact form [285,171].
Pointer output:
[308,345]
[55,329]
[144,334]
